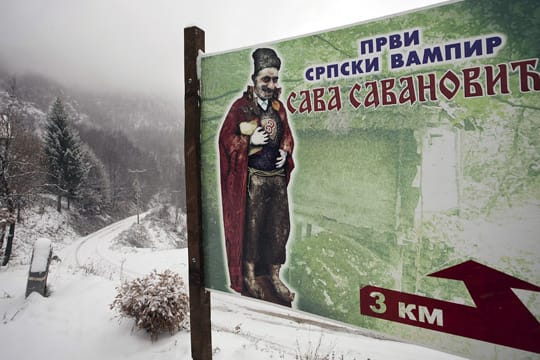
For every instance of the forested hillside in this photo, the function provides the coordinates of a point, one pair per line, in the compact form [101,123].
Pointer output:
[128,147]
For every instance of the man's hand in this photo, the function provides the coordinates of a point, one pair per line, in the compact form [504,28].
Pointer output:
[281,159]
[259,137]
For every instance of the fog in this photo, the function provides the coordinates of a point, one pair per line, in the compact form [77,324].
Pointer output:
[137,45]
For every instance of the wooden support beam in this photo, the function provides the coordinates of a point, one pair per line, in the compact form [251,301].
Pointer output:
[199,298]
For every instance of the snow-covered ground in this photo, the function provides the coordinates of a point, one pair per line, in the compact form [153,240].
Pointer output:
[76,322]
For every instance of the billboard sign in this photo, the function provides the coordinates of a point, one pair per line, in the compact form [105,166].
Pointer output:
[384,175]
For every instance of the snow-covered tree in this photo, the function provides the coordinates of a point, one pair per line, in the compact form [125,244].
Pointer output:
[95,189]
[64,155]
[20,163]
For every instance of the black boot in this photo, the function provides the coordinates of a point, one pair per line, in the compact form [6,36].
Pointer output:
[249,281]
[283,291]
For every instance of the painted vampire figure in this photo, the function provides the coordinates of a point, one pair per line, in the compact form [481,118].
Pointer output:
[255,150]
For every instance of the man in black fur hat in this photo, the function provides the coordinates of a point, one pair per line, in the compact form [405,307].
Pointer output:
[256,148]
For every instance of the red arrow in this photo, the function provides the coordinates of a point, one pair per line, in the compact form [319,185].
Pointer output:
[499,316]
[491,291]
[481,279]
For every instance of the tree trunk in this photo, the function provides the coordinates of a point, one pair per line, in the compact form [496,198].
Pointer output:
[59,203]
[19,211]
[2,234]
[9,244]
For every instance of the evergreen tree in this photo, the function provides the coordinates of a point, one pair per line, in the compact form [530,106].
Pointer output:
[64,154]
[95,190]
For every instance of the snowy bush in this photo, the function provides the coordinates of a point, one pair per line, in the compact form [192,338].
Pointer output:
[136,236]
[156,231]
[158,303]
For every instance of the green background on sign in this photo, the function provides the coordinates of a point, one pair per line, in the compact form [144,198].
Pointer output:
[363,206]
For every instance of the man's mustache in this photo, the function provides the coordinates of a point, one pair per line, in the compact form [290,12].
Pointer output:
[267,89]
[275,92]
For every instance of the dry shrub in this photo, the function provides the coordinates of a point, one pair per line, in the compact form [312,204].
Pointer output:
[157,302]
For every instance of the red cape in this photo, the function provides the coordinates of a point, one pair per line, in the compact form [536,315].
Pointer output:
[233,157]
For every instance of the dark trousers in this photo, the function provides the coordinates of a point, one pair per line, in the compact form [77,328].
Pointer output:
[267,220]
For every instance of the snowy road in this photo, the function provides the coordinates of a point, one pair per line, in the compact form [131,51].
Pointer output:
[98,254]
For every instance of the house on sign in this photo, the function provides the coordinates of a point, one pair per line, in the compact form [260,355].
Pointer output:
[440,172]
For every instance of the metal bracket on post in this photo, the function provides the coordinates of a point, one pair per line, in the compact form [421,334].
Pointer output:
[199,298]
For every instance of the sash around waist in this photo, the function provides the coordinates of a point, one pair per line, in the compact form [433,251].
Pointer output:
[275,172]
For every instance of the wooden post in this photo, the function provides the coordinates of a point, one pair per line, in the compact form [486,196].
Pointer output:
[199,298]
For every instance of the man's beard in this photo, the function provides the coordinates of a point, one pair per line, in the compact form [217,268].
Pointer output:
[266,94]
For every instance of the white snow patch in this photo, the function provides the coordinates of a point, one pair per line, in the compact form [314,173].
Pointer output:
[40,259]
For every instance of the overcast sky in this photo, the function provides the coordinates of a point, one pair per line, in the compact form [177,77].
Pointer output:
[138,44]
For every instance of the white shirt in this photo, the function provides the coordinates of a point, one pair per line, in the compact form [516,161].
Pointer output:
[263,103]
